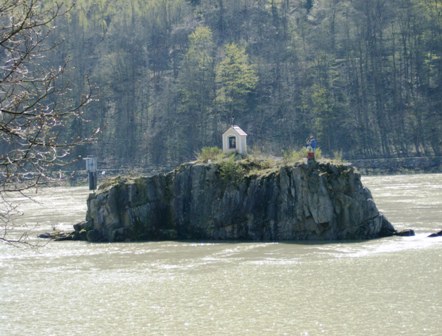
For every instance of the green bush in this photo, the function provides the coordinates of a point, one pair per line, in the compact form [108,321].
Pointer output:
[210,153]
[293,156]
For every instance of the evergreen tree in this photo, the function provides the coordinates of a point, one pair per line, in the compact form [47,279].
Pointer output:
[235,79]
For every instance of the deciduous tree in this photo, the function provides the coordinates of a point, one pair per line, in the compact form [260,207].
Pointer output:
[35,108]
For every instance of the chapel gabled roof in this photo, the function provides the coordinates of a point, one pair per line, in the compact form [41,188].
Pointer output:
[238,130]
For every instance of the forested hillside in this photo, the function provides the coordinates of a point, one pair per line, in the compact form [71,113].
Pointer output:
[364,76]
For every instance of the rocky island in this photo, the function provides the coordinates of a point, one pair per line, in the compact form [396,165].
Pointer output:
[236,200]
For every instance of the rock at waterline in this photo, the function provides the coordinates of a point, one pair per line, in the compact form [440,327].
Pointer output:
[405,233]
[437,234]
[57,235]
[243,201]
[79,233]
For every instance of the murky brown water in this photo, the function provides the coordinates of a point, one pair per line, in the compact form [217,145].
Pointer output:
[389,286]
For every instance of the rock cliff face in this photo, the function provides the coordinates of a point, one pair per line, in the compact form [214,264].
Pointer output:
[215,202]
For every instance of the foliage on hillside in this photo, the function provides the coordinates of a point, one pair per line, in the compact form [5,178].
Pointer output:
[364,76]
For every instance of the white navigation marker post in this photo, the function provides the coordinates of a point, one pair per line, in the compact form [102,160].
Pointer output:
[91,167]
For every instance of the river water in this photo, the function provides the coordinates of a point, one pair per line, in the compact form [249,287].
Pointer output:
[390,286]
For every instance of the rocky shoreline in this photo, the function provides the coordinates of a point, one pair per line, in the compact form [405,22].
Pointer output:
[81,234]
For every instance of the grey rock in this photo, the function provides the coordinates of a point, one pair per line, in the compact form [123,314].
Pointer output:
[201,201]
[405,233]
[437,234]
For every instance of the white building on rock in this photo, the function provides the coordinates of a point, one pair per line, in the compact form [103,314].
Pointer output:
[235,140]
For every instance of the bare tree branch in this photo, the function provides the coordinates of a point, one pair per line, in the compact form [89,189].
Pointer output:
[35,108]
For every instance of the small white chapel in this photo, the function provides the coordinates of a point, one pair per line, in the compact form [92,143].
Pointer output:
[235,140]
